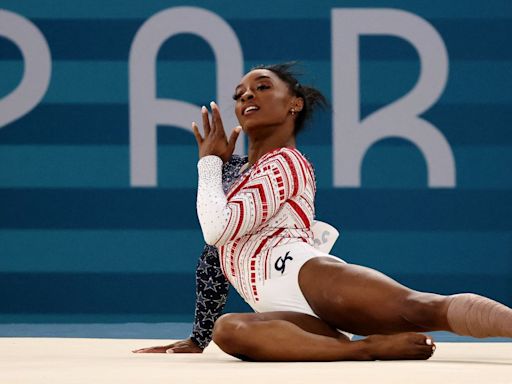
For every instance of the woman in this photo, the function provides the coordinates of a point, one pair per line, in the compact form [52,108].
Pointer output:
[262,231]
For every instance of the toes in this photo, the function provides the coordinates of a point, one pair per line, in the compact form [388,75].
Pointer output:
[429,350]
[424,343]
[430,346]
[424,353]
[421,339]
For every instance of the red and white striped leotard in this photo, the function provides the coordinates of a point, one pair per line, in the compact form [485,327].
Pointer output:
[271,205]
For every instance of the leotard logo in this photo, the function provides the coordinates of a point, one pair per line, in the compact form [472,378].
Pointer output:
[280,264]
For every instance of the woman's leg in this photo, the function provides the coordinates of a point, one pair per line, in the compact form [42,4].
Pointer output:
[473,315]
[363,301]
[292,336]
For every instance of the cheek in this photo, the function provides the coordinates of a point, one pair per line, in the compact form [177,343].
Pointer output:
[238,114]
[282,102]
[281,109]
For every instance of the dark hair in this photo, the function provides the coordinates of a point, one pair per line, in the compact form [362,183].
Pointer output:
[312,97]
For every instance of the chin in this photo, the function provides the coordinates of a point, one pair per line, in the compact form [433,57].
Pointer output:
[255,121]
[247,125]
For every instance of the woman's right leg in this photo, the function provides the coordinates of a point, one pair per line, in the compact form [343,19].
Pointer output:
[292,336]
[365,302]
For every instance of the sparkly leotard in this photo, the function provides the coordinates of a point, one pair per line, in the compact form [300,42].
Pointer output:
[271,205]
[263,228]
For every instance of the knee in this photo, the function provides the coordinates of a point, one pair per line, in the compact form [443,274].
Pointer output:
[229,333]
[426,310]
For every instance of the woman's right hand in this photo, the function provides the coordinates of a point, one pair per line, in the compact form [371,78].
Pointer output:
[215,141]
[182,346]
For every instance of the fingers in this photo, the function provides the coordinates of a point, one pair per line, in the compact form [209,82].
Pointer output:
[197,135]
[184,350]
[233,138]
[206,121]
[159,349]
[184,346]
[217,126]
[216,123]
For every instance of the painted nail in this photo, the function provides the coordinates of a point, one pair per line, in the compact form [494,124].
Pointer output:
[203,108]
[429,341]
[169,351]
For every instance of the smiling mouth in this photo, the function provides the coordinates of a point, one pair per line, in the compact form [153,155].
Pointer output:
[250,109]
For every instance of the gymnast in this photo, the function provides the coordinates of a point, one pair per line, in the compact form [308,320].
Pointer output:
[258,230]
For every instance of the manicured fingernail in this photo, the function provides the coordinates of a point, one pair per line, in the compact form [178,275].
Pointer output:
[169,351]
[203,108]
[433,348]
[238,129]
[212,104]
[429,341]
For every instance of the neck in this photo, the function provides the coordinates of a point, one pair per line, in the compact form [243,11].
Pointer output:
[258,147]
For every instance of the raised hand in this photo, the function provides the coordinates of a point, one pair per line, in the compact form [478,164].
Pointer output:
[215,141]
[182,346]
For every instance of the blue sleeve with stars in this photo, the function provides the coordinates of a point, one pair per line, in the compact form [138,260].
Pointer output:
[211,285]
[211,295]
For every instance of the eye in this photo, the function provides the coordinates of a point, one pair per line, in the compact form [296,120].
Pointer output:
[262,87]
[237,96]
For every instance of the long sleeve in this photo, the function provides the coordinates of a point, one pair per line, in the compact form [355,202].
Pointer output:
[211,296]
[275,179]
[211,286]
[211,199]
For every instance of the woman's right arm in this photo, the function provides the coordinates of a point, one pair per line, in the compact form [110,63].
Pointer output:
[211,295]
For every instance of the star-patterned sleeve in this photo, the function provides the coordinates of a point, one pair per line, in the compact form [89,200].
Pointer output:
[276,177]
[211,295]
[211,285]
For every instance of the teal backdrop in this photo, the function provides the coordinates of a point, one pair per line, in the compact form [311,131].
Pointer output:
[79,241]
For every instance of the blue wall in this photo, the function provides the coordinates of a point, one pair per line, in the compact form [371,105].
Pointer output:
[77,239]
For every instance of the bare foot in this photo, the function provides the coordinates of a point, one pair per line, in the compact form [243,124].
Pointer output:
[182,346]
[402,346]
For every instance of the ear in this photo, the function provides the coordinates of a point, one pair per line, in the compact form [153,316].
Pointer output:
[298,104]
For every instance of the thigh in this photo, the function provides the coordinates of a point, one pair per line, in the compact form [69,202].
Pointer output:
[357,299]
[306,322]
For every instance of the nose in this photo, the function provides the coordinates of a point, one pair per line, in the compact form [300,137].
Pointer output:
[247,95]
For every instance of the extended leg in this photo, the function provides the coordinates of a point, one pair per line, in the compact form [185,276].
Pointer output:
[473,315]
[291,336]
[365,302]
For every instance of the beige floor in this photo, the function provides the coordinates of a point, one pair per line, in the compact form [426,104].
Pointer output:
[95,361]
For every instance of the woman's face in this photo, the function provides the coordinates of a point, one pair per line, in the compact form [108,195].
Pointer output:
[262,99]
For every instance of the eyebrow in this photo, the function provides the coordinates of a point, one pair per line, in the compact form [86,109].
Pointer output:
[258,78]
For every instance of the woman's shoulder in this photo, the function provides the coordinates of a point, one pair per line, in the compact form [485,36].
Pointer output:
[286,152]
[290,157]
[292,151]
[293,155]
[236,161]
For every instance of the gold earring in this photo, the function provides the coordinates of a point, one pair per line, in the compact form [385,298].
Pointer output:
[293,111]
